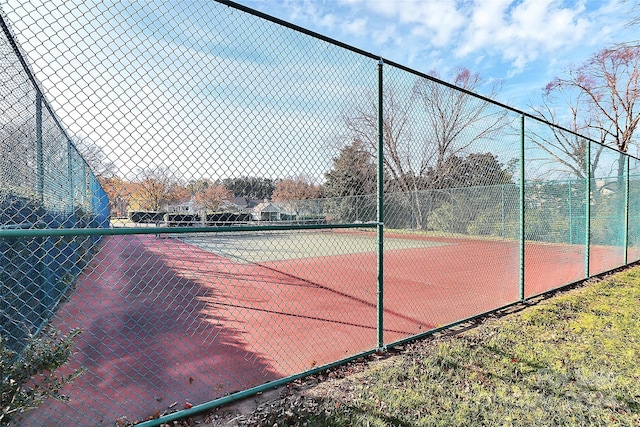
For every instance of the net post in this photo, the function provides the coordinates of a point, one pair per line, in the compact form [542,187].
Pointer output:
[380,210]
[502,210]
[71,183]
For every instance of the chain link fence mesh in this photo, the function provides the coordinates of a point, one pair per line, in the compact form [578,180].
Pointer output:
[45,183]
[446,176]
[608,209]
[223,177]
[555,206]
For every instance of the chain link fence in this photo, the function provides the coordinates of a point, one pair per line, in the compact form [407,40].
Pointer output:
[45,183]
[222,202]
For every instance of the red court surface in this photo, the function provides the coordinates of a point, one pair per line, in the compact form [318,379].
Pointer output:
[165,322]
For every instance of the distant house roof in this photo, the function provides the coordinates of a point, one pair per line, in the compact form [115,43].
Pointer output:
[266,207]
[188,206]
[240,203]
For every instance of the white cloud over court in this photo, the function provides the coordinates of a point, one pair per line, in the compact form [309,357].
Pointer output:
[525,42]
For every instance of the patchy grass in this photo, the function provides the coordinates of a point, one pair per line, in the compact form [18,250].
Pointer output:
[573,360]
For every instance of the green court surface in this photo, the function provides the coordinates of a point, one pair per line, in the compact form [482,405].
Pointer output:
[277,246]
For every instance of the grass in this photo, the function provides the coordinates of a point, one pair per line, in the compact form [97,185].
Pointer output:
[573,360]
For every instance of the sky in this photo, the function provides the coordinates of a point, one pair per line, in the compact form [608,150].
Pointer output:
[211,92]
[524,43]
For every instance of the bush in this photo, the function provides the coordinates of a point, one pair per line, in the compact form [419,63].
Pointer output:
[29,378]
[442,218]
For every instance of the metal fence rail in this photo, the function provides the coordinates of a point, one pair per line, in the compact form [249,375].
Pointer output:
[223,202]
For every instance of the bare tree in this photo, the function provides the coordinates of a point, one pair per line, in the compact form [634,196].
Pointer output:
[456,119]
[17,157]
[606,88]
[422,127]
[95,157]
[562,152]
[211,196]
[634,13]
[154,188]
[363,126]
[295,193]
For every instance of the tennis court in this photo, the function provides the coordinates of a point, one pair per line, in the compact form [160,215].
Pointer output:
[259,247]
[205,316]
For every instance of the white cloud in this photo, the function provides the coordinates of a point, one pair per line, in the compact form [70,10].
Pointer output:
[514,33]
[328,20]
[499,38]
[386,34]
[523,32]
[434,20]
[357,27]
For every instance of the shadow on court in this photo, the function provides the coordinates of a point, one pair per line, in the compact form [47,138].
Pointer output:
[149,338]
[165,322]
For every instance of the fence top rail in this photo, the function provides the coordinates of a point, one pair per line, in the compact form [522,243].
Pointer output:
[34,82]
[61,232]
[381,59]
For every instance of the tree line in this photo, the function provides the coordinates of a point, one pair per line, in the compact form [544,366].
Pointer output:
[434,138]
[155,188]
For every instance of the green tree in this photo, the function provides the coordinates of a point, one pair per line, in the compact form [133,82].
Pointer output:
[469,191]
[196,186]
[353,173]
[351,184]
[250,187]
[476,169]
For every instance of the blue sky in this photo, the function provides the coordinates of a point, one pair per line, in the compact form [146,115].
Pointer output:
[213,92]
[524,43]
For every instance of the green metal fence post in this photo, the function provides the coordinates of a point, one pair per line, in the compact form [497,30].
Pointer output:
[39,153]
[43,296]
[587,213]
[626,214]
[570,215]
[70,172]
[380,210]
[522,207]
[502,208]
